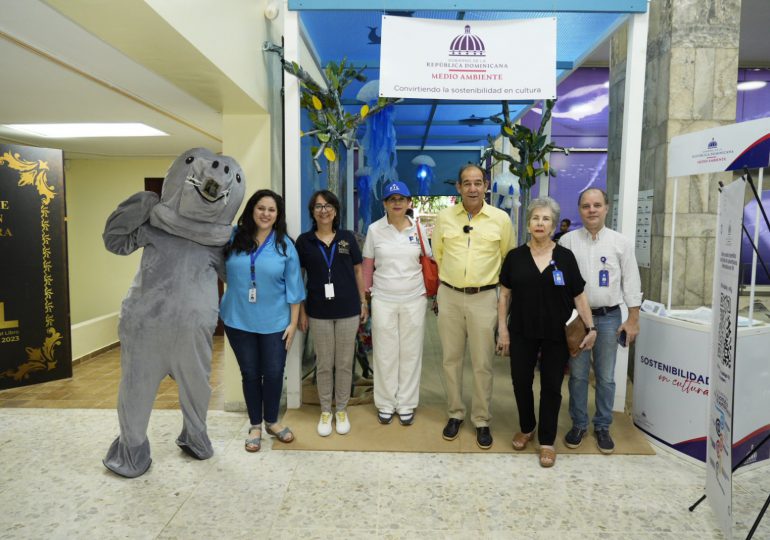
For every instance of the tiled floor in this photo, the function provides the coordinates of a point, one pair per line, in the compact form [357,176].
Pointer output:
[53,437]
[94,385]
[54,486]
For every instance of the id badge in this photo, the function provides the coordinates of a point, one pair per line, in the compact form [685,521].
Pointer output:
[329,291]
[253,295]
[558,278]
[604,278]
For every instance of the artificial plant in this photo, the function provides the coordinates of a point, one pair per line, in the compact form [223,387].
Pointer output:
[533,147]
[332,124]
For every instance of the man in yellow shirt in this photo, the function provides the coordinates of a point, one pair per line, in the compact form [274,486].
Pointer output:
[470,241]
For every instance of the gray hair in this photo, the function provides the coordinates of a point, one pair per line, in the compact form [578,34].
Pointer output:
[544,202]
[470,166]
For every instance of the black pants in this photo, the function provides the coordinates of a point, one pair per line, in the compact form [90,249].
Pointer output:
[554,356]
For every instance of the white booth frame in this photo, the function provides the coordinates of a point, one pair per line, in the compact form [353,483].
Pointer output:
[630,160]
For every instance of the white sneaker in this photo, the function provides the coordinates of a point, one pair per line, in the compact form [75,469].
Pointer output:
[341,422]
[325,424]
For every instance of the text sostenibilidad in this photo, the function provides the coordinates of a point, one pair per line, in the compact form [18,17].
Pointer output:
[465,90]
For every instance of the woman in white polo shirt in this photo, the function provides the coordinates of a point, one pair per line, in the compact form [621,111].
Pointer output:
[393,274]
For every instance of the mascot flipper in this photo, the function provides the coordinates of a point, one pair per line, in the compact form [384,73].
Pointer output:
[168,317]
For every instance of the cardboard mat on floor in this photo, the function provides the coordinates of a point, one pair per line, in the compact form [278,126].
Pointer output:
[368,435]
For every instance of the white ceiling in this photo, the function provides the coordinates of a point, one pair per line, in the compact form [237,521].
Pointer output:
[53,70]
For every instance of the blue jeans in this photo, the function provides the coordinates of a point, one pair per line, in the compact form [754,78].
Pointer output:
[604,351]
[262,358]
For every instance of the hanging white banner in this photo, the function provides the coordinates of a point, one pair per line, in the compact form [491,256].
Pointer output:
[468,60]
[724,333]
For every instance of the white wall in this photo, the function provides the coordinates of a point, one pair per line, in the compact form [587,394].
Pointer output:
[99,280]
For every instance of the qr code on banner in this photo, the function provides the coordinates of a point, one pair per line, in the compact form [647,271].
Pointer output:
[726,341]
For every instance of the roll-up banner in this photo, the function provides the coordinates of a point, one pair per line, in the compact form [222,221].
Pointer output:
[35,342]
[724,334]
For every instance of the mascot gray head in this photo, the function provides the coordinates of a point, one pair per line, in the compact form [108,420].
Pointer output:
[201,196]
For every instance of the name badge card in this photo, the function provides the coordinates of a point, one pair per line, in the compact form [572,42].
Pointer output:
[329,291]
[253,295]
[604,275]
[558,276]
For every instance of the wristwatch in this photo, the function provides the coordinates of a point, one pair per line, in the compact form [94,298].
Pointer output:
[589,328]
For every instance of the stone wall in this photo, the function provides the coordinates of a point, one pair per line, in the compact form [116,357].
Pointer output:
[691,84]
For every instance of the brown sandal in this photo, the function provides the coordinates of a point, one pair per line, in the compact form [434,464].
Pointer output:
[520,440]
[547,456]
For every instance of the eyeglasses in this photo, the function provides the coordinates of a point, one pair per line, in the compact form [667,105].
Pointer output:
[322,207]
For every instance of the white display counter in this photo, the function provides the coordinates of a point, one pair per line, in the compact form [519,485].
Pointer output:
[671,375]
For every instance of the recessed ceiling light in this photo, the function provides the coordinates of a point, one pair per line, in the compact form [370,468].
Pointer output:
[751,85]
[72,131]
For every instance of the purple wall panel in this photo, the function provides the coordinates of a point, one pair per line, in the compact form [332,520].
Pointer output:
[582,108]
[576,172]
[754,103]
[580,119]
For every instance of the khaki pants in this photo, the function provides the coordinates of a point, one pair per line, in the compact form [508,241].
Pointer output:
[468,318]
[335,343]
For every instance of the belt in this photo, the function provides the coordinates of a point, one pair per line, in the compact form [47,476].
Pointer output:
[599,311]
[470,290]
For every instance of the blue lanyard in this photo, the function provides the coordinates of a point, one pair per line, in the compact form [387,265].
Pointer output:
[253,256]
[329,260]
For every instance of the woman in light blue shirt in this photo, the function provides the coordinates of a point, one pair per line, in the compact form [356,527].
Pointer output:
[260,308]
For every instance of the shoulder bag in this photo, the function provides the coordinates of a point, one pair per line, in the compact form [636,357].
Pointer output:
[429,268]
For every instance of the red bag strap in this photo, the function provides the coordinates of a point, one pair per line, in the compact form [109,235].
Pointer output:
[419,234]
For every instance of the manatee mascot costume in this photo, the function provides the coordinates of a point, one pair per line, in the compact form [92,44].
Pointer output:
[170,312]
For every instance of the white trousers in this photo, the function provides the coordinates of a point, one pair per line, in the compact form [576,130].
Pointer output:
[398,330]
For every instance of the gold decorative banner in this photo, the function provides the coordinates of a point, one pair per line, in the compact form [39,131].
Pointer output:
[34,297]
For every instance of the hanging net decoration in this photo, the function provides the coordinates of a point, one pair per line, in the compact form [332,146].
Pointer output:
[364,187]
[379,140]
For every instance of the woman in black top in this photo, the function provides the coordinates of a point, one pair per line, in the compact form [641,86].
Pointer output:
[334,307]
[541,283]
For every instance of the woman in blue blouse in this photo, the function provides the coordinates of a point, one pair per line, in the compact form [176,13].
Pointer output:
[260,308]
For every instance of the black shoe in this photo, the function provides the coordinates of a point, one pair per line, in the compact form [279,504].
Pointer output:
[574,437]
[452,429]
[604,441]
[384,417]
[484,438]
